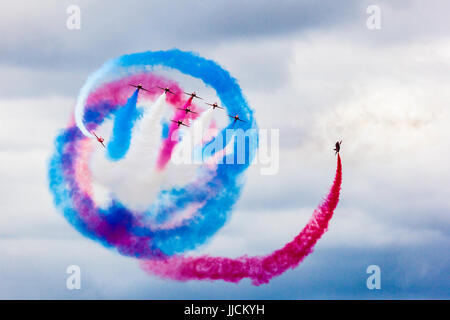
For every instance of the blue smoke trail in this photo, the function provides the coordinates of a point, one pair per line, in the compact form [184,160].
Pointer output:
[120,227]
[216,210]
[125,118]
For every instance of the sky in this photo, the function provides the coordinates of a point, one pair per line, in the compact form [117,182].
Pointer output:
[312,70]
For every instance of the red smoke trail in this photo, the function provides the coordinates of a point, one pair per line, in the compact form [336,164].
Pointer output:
[259,269]
[168,144]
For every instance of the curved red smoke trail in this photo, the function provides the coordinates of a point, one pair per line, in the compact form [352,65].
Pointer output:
[260,268]
[169,143]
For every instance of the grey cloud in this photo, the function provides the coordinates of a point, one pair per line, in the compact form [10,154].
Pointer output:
[326,274]
[25,82]
[40,37]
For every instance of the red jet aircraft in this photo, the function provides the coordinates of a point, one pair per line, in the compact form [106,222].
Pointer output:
[193,95]
[139,87]
[187,110]
[179,123]
[337,147]
[166,90]
[214,105]
[99,139]
[236,118]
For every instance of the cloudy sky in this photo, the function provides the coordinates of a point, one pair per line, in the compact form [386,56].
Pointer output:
[312,70]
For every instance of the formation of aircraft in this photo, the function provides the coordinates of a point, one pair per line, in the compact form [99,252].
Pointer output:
[193,95]
[99,139]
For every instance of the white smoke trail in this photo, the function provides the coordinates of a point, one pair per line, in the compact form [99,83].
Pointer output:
[134,180]
[147,135]
[200,125]
[192,138]
[92,81]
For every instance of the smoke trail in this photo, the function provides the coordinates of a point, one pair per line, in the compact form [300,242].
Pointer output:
[124,121]
[259,269]
[92,93]
[91,82]
[184,215]
[170,142]
[191,142]
[114,225]
[145,138]
[199,126]
[136,171]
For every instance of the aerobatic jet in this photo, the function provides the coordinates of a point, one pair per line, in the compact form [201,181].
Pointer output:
[139,87]
[166,90]
[187,110]
[236,118]
[179,123]
[193,95]
[99,139]
[337,147]
[214,105]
